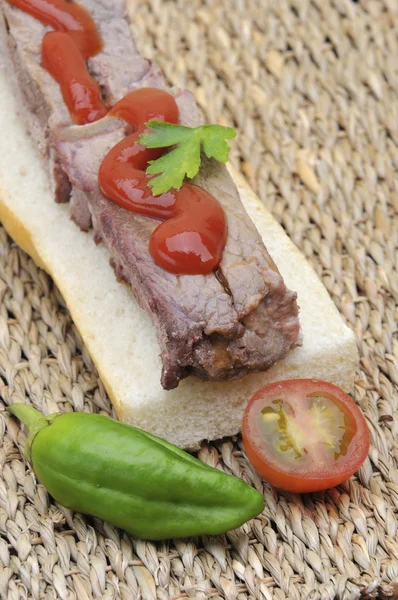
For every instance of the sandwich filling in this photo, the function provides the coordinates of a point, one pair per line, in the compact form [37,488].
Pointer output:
[238,319]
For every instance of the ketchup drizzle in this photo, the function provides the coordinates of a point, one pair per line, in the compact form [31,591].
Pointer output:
[81,93]
[65,16]
[192,236]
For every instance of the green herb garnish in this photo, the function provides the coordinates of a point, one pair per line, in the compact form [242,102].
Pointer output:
[183,160]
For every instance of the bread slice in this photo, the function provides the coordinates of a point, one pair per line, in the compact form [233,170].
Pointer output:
[119,334]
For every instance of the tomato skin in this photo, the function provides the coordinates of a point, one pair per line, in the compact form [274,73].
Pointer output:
[287,479]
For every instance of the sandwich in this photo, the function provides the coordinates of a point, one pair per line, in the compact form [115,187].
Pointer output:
[180,353]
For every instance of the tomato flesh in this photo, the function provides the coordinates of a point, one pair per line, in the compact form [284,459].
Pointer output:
[304,435]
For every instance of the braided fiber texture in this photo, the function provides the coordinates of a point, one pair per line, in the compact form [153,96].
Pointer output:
[312,87]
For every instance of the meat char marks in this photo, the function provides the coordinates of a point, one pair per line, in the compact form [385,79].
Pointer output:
[219,326]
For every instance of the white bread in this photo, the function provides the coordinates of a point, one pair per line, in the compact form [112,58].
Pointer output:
[119,334]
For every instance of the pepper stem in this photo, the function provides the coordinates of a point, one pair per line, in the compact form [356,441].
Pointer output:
[28,415]
[32,419]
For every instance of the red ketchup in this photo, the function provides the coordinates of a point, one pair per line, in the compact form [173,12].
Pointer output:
[63,15]
[191,239]
[63,60]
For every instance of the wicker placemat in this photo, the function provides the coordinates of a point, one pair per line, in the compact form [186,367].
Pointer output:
[313,89]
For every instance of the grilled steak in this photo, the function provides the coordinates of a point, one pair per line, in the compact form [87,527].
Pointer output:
[218,326]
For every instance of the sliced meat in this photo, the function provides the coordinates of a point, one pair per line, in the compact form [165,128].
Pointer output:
[273,324]
[181,313]
[197,320]
[219,326]
[187,107]
[182,308]
[118,68]
[81,148]
[79,210]
[246,266]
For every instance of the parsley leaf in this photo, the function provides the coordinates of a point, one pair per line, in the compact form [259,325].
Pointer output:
[183,160]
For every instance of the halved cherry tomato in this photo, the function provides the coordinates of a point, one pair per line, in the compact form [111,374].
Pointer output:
[304,435]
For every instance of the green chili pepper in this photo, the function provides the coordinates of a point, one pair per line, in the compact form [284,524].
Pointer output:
[136,481]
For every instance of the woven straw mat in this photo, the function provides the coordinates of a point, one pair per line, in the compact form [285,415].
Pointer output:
[312,88]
